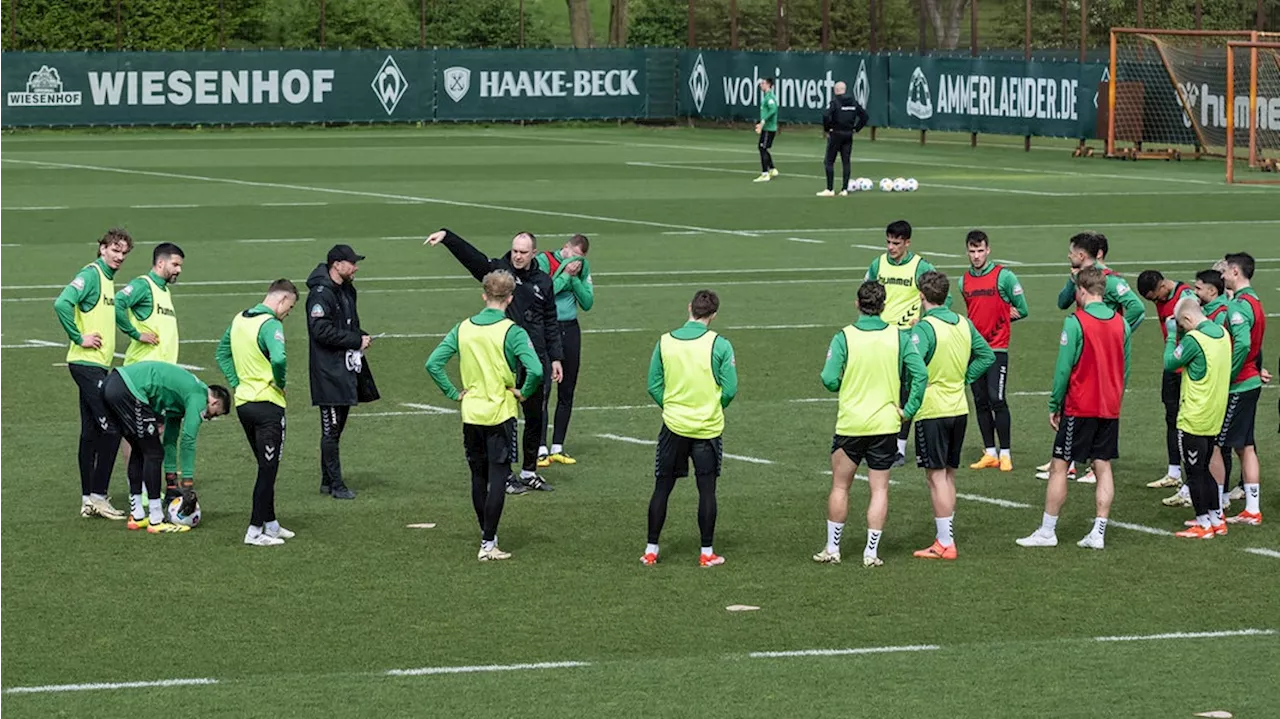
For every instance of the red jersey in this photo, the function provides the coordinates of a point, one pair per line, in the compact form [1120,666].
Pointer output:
[988,311]
[1252,361]
[553,263]
[1097,380]
[1164,310]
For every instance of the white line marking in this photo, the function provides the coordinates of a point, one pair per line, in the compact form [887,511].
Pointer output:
[9,244]
[60,688]
[844,652]
[1188,635]
[430,408]
[874,248]
[294,204]
[636,440]
[427,671]
[278,239]
[142,207]
[38,209]
[802,239]
[992,500]
[1140,528]
[46,343]
[1261,552]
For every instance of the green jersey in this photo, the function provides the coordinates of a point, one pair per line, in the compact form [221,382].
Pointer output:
[136,297]
[926,341]
[723,365]
[769,111]
[82,292]
[517,349]
[573,292]
[1240,321]
[922,266]
[1118,296]
[909,363]
[178,398]
[270,342]
[1009,289]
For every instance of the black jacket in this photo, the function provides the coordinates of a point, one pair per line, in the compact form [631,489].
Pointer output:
[844,114]
[333,326]
[534,305]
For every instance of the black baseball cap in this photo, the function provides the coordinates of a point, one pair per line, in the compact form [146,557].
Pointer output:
[341,253]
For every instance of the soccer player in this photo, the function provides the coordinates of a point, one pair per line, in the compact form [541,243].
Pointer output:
[897,270]
[141,397]
[252,357]
[692,377]
[491,349]
[1212,293]
[1165,294]
[574,291]
[1084,407]
[955,355]
[843,118]
[866,364]
[993,299]
[85,310]
[1204,356]
[533,307]
[767,129]
[1244,313]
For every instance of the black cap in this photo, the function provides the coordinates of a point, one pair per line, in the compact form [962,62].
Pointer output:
[341,253]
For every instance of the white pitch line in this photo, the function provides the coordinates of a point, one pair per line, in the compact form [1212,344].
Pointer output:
[38,209]
[1188,635]
[1262,552]
[1140,528]
[844,652]
[278,239]
[429,671]
[806,240]
[143,207]
[10,244]
[60,688]
[294,204]
[429,408]
[649,443]
[1007,504]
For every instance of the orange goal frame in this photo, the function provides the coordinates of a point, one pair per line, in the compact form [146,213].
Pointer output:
[1252,47]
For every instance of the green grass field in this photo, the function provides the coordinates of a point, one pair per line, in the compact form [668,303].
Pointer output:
[312,628]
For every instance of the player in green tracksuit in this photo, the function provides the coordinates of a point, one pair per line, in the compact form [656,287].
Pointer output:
[571,280]
[767,129]
[1085,250]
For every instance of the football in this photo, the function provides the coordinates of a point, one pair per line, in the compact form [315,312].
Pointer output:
[900,185]
[886,185]
[912,185]
[190,518]
[865,183]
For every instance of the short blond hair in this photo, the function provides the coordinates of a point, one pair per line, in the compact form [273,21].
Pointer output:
[499,285]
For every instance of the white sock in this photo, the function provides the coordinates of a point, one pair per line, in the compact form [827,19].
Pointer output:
[945,537]
[1100,526]
[651,549]
[135,507]
[1004,454]
[1071,468]
[902,447]
[526,474]
[706,552]
[991,451]
[488,546]
[873,542]
[98,496]
[1203,520]
[84,499]
[1175,471]
[1251,492]
[557,448]
[1215,517]
[1222,497]
[834,530]
[272,527]
[542,451]
[1048,524]
[157,511]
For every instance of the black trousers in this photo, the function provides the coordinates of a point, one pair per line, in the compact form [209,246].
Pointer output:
[535,418]
[141,429]
[904,392]
[99,436]
[490,451]
[333,419]
[991,403]
[672,462]
[571,340]
[263,424]
[1170,396]
[1195,452]
[838,143]
[766,142]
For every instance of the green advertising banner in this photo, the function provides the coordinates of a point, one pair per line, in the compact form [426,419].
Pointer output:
[541,84]
[1008,97]
[163,88]
[725,85]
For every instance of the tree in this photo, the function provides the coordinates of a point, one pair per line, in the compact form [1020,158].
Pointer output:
[580,22]
[945,16]
[618,23]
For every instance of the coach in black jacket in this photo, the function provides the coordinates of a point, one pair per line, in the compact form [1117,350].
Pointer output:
[843,118]
[534,308]
[338,369]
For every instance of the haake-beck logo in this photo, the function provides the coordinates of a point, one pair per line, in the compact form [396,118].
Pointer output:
[699,83]
[457,81]
[44,88]
[389,84]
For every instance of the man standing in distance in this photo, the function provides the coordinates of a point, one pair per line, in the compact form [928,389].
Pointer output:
[993,300]
[692,377]
[897,270]
[842,119]
[85,310]
[338,345]
[1244,313]
[955,355]
[571,282]
[533,308]
[491,349]
[866,363]
[1165,294]
[1084,407]
[252,357]
[767,129]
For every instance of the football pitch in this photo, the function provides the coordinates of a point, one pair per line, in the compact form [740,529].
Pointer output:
[361,615]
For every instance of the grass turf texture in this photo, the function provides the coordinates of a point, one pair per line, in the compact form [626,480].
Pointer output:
[309,628]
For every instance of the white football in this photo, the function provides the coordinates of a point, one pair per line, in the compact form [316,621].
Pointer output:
[177,517]
[912,185]
[886,185]
[900,185]
[853,186]
[865,183]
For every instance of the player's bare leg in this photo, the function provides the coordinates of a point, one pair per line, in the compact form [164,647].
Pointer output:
[942,491]
[842,471]
[1104,492]
[877,512]
[1252,472]
[1055,495]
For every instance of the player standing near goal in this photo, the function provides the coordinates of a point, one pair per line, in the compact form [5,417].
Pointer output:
[867,362]
[767,129]
[843,118]
[897,271]
[492,350]
[571,282]
[1165,294]
[252,358]
[693,377]
[85,310]
[1084,408]
[993,300]
[955,355]
[1244,312]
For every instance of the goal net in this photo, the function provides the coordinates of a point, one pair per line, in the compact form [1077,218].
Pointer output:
[1253,72]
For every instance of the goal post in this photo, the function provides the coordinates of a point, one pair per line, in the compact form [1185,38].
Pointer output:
[1253,74]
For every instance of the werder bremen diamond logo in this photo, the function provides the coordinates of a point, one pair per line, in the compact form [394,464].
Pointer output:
[389,84]
[699,83]
[457,80]
[862,85]
[919,101]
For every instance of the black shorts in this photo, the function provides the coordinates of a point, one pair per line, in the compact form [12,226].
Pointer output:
[1083,438]
[491,444]
[1196,451]
[1171,389]
[990,391]
[131,415]
[766,138]
[939,441]
[676,451]
[1237,427]
[880,450]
